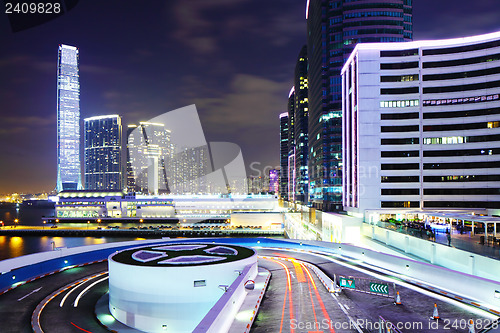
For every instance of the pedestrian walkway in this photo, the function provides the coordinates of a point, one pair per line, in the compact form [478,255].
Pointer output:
[470,243]
[464,241]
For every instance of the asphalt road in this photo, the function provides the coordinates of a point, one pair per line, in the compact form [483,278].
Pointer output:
[412,316]
[17,305]
[295,301]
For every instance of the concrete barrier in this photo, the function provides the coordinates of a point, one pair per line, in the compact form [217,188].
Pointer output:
[19,270]
[221,315]
[484,291]
[437,254]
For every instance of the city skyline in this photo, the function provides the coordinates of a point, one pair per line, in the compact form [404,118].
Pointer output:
[165,62]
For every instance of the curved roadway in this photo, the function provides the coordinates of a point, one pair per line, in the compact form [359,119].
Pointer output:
[295,301]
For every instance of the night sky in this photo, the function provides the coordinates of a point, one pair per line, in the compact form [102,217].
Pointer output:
[234,59]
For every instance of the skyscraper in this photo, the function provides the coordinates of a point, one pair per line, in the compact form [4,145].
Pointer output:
[334,28]
[283,155]
[148,147]
[68,120]
[291,145]
[274,180]
[103,153]
[301,111]
[422,126]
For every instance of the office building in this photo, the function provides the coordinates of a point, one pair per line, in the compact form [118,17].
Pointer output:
[421,124]
[258,184]
[333,28]
[148,148]
[68,120]
[300,136]
[284,155]
[291,146]
[103,153]
[274,178]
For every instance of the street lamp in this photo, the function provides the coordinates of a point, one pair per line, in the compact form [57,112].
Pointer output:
[44,224]
[16,221]
[1,223]
[88,222]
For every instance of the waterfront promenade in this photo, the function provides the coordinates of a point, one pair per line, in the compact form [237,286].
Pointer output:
[146,232]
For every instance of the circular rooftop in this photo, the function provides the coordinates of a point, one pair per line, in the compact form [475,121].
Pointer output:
[182,255]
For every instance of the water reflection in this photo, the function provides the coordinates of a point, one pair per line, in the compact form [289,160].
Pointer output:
[11,247]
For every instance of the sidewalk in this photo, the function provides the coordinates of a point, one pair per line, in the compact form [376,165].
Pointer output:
[469,243]
[464,242]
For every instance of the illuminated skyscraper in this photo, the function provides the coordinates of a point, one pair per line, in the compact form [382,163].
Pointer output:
[103,153]
[301,115]
[284,155]
[291,146]
[68,120]
[148,146]
[334,27]
[274,180]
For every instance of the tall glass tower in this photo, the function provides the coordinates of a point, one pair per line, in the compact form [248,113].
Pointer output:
[103,153]
[334,27]
[301,115]
[68,120]
[284,155]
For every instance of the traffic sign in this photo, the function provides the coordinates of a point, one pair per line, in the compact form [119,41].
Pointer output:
[347,283]
[379,288]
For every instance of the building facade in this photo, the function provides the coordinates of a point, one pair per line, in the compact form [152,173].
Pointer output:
[103,168]
[301,116]
[291,146]
[274,178]
[422,125]
[284,155]
[68,120]
[334,28]
[148,148]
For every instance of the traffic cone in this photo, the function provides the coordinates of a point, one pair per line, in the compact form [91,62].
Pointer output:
[435,314]
[398,299]
[472,329]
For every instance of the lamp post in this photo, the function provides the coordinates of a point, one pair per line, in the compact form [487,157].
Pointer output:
[44,224]
[88,223]
[1,223]
[16,221]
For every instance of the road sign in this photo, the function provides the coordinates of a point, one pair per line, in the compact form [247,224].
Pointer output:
[347,283]
[379,288]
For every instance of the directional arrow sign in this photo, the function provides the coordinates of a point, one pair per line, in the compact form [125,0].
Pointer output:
[347,283]
[34,291]
[379,288]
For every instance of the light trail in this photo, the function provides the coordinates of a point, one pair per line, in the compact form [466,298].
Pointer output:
[86,289]
[290,301]
[76,285]
[318,297]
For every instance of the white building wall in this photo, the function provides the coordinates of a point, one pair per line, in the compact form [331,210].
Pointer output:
[372,129]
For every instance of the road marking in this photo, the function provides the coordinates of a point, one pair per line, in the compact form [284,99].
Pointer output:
[347,307]
[34,291]
[347,314]
[86,289]
[72,323]
[78,284]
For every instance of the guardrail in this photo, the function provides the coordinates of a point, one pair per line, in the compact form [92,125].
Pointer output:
[151,233]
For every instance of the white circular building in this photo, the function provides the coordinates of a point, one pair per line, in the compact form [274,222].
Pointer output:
[172,287]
